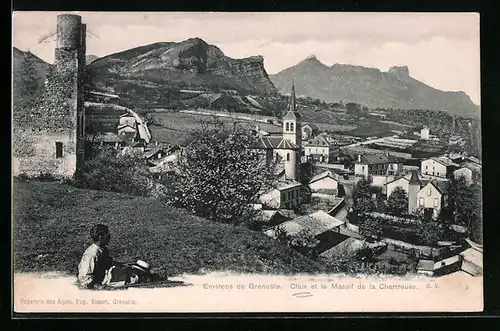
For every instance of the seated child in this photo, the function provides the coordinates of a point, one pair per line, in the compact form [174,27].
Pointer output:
[96,260]
[97,268]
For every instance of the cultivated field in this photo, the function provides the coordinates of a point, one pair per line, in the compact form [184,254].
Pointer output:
[172,127]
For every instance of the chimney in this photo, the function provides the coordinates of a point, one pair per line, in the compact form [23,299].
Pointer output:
[359,158]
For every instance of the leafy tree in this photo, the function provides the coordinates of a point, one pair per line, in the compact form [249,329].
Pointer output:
[110,170]
[362,197]
[370,226]
[397,203]
[303,241]
[430,232]
[464,201]
[220,174]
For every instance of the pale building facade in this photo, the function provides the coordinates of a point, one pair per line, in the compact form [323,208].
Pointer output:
[440,167]
[430,200]
[324,181]
[284,196]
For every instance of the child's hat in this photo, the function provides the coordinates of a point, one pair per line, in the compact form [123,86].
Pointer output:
[141,265]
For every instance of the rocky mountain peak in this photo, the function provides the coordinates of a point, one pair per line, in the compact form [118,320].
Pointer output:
[400,71]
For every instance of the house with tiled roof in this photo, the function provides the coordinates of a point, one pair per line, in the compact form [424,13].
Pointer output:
[470,171]
[320,149]
[324,181]
[285,195]
[430,198]
[316,224]
[378,169]
[309,131]
[442,167]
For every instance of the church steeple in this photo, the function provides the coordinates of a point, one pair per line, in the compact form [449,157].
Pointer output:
[292,105]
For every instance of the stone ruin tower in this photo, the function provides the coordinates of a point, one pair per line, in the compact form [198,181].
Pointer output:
[49,131]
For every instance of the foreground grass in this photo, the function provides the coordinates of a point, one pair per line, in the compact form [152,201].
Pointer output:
[52,223]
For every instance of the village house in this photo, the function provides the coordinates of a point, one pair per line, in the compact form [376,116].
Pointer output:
[378,169]
[441,167]
[424,133]
[472,259]
[109,139]
[156,154]
[430,198]
[470,171]
[309,131]
[324,181]
[401,182]
[269,218]
[286,195]
[323,228]
[320,149]
[456,141]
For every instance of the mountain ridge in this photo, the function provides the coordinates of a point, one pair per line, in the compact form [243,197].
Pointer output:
[394,88]
[192,63]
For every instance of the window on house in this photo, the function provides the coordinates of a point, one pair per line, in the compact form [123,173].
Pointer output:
[421,201]
[291,126]
[426,167]
[436,202]
[287,126]
[288,156]
[59,149]
[429,192]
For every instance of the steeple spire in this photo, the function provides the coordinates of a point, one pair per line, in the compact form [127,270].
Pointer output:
[292,104]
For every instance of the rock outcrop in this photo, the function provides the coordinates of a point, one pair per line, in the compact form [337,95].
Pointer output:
[189,64]
[371,87]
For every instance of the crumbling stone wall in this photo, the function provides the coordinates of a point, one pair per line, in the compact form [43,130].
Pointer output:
[56,115]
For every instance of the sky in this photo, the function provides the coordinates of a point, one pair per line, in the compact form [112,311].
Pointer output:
[440,49]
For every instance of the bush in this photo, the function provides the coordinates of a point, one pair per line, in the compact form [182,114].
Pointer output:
[109,170]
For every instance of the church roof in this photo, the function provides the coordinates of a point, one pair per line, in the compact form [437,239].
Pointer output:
[270,142]
[414,178]
[286,144]
[292,115]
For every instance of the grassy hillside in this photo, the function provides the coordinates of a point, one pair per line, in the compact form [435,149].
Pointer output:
[52,222]
[20,62]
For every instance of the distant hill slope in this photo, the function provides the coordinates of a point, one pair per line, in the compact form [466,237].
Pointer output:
[52,223]
[89,58]
[191,64]
[20,61]
[369,86]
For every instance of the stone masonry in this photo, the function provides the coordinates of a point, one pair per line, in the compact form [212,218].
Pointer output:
[48,133]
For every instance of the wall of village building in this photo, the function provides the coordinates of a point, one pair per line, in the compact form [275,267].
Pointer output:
[326,183]
[48,133]
[36,152]
[290,160]
[432,168]
[287,198]
[464,172]
[401,182]
[379,181]
[430,197]
[361,169]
